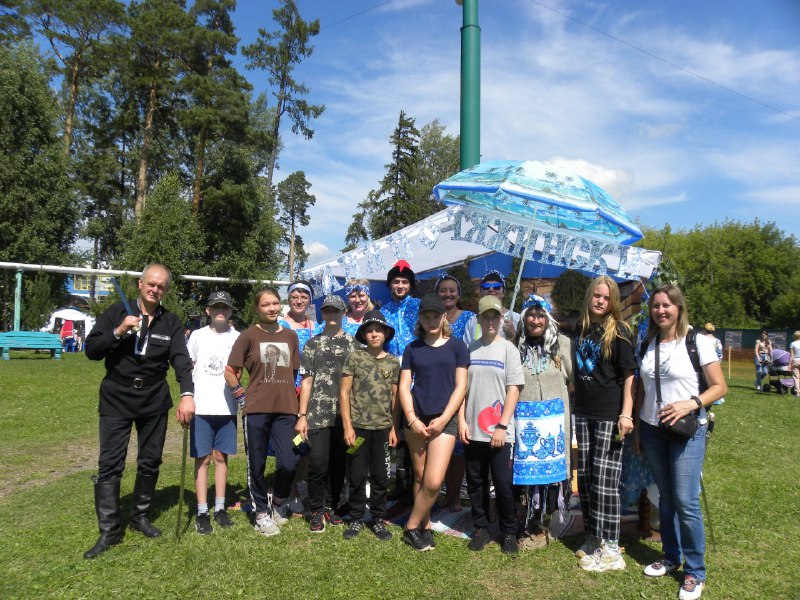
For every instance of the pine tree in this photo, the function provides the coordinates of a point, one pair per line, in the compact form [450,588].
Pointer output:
[293,201]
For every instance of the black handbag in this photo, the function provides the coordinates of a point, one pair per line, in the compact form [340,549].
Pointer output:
[685,427]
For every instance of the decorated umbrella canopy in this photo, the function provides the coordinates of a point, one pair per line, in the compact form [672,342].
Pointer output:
[541,195]
[557,198]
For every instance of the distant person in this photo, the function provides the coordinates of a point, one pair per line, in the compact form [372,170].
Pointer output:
[492,284]
[710,328]
[762,357]
[794,362]
[213,428]
[368,397]
[138,349]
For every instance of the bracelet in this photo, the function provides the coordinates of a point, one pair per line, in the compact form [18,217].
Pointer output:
[412,422]
[699,402]
[625,417]
[410,411]
[501,427]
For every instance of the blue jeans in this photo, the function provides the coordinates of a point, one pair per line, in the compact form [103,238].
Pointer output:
[676,467]
[762,370]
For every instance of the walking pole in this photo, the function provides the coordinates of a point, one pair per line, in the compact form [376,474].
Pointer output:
[703,486]
[183,482]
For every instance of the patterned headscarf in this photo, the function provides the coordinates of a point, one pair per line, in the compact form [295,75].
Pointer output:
[536,356]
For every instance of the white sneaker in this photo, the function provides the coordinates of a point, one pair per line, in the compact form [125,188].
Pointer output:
[603,559]
[691,589]
[660,568]
[589,546]
[266,526]
[281,514]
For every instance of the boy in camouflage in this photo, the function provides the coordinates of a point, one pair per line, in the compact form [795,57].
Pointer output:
[368,400]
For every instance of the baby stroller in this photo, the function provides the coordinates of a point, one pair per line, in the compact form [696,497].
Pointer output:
[779,373]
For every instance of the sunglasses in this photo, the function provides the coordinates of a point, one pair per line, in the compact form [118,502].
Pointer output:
[492,286]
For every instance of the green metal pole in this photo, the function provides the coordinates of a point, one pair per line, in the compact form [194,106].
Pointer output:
[470,86]
[18,300]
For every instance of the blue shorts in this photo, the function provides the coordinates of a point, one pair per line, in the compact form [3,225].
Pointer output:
[212,432]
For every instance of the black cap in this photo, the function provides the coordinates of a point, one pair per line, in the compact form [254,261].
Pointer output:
[220,297]
[401,269]
[374,316]
[433,303]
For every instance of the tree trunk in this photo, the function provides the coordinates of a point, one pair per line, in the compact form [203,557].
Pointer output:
[273,156]
[198,174]
[71,102]
[147,139]
[291,252]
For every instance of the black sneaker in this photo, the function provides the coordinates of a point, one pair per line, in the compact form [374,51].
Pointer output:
[378,527]
[332,517]
[317,522]
[479,540]
[509,545]
[202,524]
[222,519]
[428,533]
[416,540]
[355,527]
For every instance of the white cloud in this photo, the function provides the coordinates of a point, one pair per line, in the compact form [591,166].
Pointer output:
[318,252]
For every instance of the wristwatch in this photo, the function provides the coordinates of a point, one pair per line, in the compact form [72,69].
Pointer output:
[501,426]
[301,415]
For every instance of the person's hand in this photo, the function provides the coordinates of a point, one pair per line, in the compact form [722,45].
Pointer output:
[436,426]
[128,323]
[392,437]
[185,410]
[417,427]
[239,395]
[508,328]
[624,426]
[672,413]
[350,436]
[301,427]
[498,438]
[463,431]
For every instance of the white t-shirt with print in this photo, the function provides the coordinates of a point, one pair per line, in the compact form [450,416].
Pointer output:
[678,377]
[209,352]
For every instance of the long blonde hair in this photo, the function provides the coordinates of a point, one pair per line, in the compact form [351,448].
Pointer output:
[612,323]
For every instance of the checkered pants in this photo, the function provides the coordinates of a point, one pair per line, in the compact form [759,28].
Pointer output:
[599,472]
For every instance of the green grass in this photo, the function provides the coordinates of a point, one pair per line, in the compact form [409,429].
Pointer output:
[48,446]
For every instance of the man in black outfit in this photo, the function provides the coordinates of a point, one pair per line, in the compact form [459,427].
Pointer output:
[138,349]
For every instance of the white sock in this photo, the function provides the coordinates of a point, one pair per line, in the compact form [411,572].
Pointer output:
[219,503]
[202,508]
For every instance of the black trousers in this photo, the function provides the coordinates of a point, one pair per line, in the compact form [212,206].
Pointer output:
[369,460]
[480,459]
[115,433]
[326,466]
[259,430]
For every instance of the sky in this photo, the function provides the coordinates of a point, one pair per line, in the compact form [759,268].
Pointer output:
[688,113]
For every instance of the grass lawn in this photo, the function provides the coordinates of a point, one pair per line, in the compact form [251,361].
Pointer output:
[48,450]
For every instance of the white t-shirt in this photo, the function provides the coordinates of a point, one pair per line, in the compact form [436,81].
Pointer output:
[795,345]
[678,377]
[209,352]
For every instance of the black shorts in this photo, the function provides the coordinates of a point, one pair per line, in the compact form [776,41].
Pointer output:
[452,425]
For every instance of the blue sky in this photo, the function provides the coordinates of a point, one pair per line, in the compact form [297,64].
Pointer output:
[714,135]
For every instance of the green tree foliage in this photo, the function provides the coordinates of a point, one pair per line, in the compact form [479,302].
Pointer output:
[293,202]
[38,302]
[420,160]
[217,101]
[77,31]
[165,232]
[278,53]
[735,274]
[37,202]
[569,290]
[13,26]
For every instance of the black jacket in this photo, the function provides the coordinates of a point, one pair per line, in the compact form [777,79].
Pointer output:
[165,345]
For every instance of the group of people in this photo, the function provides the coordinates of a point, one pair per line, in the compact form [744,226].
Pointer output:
[422,376]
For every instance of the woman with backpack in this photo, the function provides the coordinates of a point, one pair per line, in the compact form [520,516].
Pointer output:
[680,377]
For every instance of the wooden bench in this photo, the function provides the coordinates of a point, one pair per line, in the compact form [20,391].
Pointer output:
[30,340]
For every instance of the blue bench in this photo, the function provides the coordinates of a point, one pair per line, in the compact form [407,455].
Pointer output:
[30,340]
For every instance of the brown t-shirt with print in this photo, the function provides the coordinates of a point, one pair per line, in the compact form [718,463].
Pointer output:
[271,360]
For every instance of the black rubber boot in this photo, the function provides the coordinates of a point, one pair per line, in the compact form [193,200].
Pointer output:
[142,495]
[109,517]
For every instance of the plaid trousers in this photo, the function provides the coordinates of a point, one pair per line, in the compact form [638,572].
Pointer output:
[599,472]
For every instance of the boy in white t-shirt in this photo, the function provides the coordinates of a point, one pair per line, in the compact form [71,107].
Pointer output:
[213,428]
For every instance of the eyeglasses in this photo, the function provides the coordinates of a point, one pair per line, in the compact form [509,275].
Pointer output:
[492,286]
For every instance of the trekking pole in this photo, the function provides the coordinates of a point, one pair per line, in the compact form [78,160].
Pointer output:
[183,482]
[709,431]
